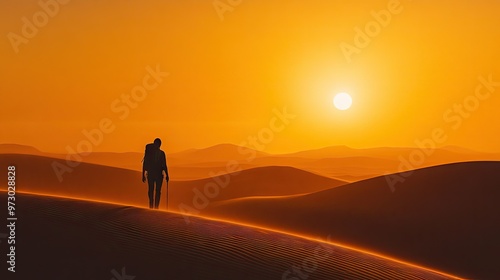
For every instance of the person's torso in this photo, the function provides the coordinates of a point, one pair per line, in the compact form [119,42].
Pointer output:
[156,163]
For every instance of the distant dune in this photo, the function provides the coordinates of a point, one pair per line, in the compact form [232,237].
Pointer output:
[192,164]
[18,149]
[382,152]
[366,162]
[218,153]
[132,160]
[263,181]
[72,239]
[129,160]
[98,182]
[337,162]
[439,156]
[200,171]
[444,217]
[36,174]
[352,168]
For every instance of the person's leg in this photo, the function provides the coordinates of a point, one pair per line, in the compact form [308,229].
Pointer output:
[159,182]
[151,187]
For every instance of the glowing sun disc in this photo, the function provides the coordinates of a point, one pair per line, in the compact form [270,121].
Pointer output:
[342,101]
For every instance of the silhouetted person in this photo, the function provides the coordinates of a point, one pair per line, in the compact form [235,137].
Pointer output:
[153,166]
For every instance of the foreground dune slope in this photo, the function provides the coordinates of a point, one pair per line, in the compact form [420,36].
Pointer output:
[63,238]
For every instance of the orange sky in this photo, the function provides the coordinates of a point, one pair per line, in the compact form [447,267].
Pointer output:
[228,72]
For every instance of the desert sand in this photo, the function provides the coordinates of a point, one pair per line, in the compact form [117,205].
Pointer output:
[61,238]
[444,217]
[438,217]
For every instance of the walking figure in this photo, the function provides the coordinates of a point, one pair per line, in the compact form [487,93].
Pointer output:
[154,165]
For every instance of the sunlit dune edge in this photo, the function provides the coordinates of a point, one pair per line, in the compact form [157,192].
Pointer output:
[360,250]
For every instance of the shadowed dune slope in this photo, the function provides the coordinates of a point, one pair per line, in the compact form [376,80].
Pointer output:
[74,239]
[444,217]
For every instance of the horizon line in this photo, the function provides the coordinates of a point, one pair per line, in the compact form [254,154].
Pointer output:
[291,152]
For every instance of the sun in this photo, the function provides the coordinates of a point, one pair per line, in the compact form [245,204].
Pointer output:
[342,101]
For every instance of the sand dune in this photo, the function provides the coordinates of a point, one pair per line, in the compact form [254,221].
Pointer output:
[263,181]
[188,165]
[414,223]
[449,154]
[36,174]
[218,153]
[18,149]
[193,164]
[72,239]
[336,162]
[445,216]
[352,168]
[196,172]
[131,160]
[367,162]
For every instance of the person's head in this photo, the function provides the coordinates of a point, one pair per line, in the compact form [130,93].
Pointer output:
[157,142]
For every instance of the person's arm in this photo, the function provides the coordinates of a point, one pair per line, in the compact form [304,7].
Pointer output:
[165,167]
